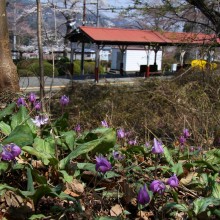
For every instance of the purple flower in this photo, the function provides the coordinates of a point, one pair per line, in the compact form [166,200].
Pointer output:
[32,97]
[37,105]
[186,133]
[117,155]
[121,133]
[64,100]
[182,140]
[20,102]
[10,151]
[78,128]
[173,181]
[143,196]
[132,142]
[40,120]
[102,164]
[104,124]
[157,186]
[147,144]
[157,148]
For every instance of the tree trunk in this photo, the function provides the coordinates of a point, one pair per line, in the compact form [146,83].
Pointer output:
[8,71]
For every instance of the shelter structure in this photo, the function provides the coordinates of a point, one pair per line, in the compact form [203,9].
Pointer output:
[149,39]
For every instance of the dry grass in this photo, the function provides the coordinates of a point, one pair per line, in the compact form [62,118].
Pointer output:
[151,107]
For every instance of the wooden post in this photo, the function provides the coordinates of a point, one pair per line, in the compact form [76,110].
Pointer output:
[97,64]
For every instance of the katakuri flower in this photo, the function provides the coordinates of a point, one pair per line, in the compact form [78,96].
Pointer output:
[10,151]
[37,106]
[157,186]
[104,123]
[132,142]
[21,101]
[117,155]
[186,133]
[78,128]
[102,164]
[121,133]
[64,100]
[182,140]
[157,147]
[40,120]
[173,181]
[143,196]
[32,97]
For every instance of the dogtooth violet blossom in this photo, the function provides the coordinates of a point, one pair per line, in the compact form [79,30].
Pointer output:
[173,181]
[78,128]
[117,155]
[10,151]
[182,140]
[143,196]
[64,100]
[40,120]
[102,164]
[186,133]
[157,147]
[32,97]
[121,133]
[104,123]
[21,102]
[37,105]
[157,186]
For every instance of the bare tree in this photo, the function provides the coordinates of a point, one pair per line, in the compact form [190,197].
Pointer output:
[8,71]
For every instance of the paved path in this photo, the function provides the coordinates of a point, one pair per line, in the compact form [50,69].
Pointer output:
[28,84]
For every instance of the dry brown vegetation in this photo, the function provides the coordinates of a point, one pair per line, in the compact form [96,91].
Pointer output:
[155,106]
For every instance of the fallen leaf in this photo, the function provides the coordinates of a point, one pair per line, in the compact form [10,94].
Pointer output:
[75,188]
[116,210]
[186,180]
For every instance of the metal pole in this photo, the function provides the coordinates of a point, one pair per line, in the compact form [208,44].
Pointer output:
[83,43]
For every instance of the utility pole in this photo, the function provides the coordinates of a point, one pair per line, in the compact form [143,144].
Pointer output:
[97,13]
[83,43]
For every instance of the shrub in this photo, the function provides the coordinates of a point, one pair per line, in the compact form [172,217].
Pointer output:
[30,67]
[48,69]
[25,72]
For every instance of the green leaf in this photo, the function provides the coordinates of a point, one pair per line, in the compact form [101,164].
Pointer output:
[112,194]
[38,177]
[110,174]
[216,190]
[21,117]
[206,164]
[30,185]
[66,176]
[201,204]
[38,216]
[180,207]
[46,145]
[168,156]
[39,155]
[86,166]
[101,145]
[21,136]
[3,166]
[70,137]
[5,128]
[177,169]
[9,110]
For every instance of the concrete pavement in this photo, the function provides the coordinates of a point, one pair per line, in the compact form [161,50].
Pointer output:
[32,84]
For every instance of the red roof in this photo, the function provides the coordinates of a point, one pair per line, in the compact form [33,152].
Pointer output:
[119,36]
[123,35]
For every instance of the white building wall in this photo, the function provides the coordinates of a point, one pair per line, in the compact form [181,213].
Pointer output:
[133,59]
